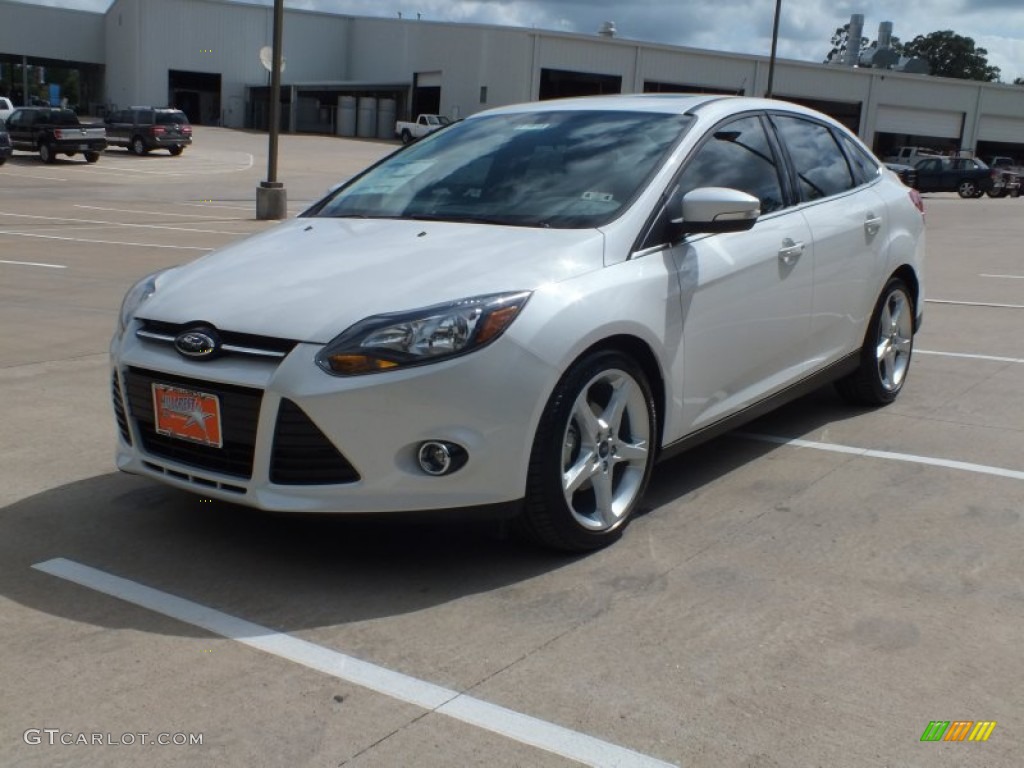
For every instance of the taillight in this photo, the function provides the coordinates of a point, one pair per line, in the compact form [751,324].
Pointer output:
[915,198]
[158,130]
[187,130]
[58,134]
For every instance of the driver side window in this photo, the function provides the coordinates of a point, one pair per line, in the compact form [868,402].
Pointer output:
[737,155]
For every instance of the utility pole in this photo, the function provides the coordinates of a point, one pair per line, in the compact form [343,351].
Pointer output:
[271,196]
[775,44]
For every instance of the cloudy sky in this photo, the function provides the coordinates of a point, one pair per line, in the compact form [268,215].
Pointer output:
[742,26]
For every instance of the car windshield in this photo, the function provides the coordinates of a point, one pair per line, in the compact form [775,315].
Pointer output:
[567,169]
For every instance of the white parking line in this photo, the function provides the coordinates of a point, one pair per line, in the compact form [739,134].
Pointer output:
[974,304]
[993,358]
[152,213]
[121,224]
[33,264]
[102,242]
[33,176]
[1004,277]
[514,725]
[982,469]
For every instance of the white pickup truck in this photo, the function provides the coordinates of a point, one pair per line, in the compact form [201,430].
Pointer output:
[424,124]
[6,107]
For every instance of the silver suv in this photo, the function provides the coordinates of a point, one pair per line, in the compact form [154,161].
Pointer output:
[143,129]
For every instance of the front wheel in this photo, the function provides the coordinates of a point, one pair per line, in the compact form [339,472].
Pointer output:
[46,154]
[92,157]
[592,454]
[967,189]
[885,355]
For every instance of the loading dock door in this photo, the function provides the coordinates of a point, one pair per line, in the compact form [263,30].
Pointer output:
[920,122]
[426,94]
[1009,130]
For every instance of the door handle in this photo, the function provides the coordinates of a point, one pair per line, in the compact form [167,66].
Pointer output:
[872,224]
[790,252]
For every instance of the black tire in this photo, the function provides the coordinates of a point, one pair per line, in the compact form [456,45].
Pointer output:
[613,457]
[46,154]
[967,189]
[996,193]
[891,321]
[138,146]
[175,151]
[406,136]
[92,157]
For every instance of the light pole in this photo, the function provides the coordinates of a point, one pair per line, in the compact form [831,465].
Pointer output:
[271,196]
[775,44]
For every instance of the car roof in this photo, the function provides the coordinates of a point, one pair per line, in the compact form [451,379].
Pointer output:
[708,106]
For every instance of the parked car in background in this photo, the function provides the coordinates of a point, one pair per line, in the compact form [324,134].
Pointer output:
[424,124]
[143,129]
[967,176]
[1012,172]
[5,143]
[911,155]
[52,131]
[6,107]
[524,311]
[907,173]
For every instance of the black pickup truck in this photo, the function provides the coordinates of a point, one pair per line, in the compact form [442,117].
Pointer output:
[964,175]
[51,131]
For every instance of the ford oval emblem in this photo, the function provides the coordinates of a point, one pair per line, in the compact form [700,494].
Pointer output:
[197,343]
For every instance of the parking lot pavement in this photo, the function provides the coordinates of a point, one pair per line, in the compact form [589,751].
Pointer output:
[813,590]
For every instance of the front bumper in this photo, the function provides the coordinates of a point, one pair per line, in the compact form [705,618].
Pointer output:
[298,439]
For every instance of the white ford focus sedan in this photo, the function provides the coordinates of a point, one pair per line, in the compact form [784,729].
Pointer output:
[524,311]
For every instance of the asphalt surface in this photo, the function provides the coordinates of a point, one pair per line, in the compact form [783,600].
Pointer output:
[778,605]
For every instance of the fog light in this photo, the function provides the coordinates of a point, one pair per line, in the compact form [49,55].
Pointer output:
[439,457]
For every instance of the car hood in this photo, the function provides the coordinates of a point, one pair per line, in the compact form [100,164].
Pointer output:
[311,278]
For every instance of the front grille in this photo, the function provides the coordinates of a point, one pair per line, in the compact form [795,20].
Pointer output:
[233,342]
[119,414]
[303,455]
[239,413]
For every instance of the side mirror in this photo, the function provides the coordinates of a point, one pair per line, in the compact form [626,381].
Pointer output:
[709,210]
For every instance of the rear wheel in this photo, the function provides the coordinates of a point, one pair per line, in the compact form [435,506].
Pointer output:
[46,153]
[885,355]
[92,157]
[406,136]
[996,193]
[138,146]
[592,454]
[175,150]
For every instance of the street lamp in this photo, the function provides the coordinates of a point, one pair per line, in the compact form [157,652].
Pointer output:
[271,196]
[775,44]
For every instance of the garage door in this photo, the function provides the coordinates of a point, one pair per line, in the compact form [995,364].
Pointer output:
[920,122]
[1009,130]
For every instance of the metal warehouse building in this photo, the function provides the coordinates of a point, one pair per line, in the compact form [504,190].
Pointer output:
[356,75]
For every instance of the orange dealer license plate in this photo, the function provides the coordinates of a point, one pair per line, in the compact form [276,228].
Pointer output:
[187,415]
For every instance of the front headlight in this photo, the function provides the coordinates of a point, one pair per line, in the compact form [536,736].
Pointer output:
[401,339]
[137,294]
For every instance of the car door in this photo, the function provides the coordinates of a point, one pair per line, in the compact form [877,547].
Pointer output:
[747,295]
[19,130]
[848,220]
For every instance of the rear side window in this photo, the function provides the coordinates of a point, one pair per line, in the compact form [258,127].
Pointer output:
[737,155]
[171,118]
[865,168]
[820,165]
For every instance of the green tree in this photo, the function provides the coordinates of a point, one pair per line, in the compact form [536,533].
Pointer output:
[952,55]
[1019,81]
